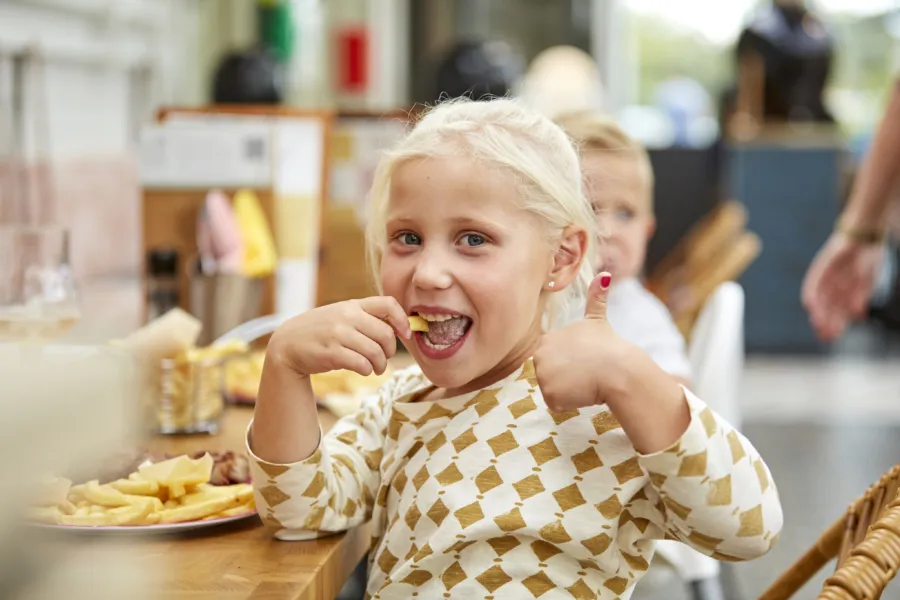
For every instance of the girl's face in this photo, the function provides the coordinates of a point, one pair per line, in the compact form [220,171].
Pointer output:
[462,254]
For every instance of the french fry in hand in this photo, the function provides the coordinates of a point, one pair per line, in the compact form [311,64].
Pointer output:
[417,323]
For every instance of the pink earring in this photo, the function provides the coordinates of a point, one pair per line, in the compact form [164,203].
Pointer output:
[552,284]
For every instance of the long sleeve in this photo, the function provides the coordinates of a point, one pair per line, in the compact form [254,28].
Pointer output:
[712,490]
[331,491]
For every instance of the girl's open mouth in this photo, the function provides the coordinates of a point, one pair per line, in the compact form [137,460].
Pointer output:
[446,334]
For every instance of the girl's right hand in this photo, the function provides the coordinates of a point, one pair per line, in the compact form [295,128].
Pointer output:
[357,335]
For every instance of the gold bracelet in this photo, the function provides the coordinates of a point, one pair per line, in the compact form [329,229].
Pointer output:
[860,236]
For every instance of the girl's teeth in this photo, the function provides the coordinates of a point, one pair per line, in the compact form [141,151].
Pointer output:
[435,346]
[437,318]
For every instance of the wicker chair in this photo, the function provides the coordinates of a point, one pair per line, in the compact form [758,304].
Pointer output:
[866,543]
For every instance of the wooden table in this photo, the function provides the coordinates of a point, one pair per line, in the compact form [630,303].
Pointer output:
[243,560]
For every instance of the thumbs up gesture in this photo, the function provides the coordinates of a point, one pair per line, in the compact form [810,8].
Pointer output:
[581,364]
[597,296]
[587,364]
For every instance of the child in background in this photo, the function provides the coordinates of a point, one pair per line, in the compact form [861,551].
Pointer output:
[506,464]
[619,184]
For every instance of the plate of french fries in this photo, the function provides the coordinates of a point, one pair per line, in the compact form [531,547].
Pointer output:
[158,497]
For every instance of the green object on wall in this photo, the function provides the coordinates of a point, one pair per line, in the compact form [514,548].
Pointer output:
[276,27]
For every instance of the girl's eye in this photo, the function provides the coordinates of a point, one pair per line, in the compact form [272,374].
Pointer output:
[624,214]
[473,239]
[409,239]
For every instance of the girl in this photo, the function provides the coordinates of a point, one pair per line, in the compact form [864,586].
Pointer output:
[482,476]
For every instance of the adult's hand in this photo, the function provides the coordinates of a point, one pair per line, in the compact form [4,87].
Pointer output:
[839,283]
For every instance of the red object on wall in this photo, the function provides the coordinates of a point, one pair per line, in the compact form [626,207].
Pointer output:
[353,55]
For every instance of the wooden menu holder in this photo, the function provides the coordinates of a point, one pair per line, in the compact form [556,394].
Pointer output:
[170,213]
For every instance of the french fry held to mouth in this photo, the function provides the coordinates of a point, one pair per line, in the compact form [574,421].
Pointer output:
[417,323]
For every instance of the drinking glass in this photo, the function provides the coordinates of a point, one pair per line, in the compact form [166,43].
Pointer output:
[38,292]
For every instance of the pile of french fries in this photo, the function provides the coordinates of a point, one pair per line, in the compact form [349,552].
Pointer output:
[172,491]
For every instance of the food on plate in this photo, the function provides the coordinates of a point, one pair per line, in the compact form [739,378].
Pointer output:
[346,382]
[228,467]
[242,375]
[175,490]
[417,323]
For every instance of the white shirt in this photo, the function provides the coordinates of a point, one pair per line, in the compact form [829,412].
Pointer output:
[642,319]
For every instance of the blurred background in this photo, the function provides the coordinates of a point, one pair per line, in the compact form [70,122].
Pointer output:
[150,140]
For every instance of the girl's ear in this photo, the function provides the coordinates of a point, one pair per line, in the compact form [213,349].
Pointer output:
[651,227]
[570,253]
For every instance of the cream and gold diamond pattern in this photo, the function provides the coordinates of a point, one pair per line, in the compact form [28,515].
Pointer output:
[544,550]
[488,480]
[528,487]
[522,407]
[503,443]
[538,584]
[469,515]
[504,544]
[496,480]
[569,497]
[545,451]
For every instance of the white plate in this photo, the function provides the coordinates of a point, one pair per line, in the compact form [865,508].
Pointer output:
[147,529]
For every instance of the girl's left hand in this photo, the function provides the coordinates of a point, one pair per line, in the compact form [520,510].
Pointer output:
[586,363]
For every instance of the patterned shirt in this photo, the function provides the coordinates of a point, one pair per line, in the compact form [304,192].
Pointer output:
[491,495]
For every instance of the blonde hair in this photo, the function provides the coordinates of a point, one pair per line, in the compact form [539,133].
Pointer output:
[536,153]
[593,132]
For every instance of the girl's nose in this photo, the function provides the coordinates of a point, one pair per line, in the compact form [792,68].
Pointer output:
[432,271]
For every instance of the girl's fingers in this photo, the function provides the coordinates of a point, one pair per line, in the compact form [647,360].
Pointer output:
[367,347]
[353,361]
[380,332]
[388,309]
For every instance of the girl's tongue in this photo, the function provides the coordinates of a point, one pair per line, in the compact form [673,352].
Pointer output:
[447,333]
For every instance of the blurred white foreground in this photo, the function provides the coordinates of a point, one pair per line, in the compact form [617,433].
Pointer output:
[63,407]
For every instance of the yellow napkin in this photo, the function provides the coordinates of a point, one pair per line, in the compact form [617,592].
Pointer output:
[260,258]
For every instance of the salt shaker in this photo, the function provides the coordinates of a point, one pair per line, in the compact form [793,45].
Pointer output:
[162,282]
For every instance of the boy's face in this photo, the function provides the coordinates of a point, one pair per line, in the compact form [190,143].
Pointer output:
[618,192]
